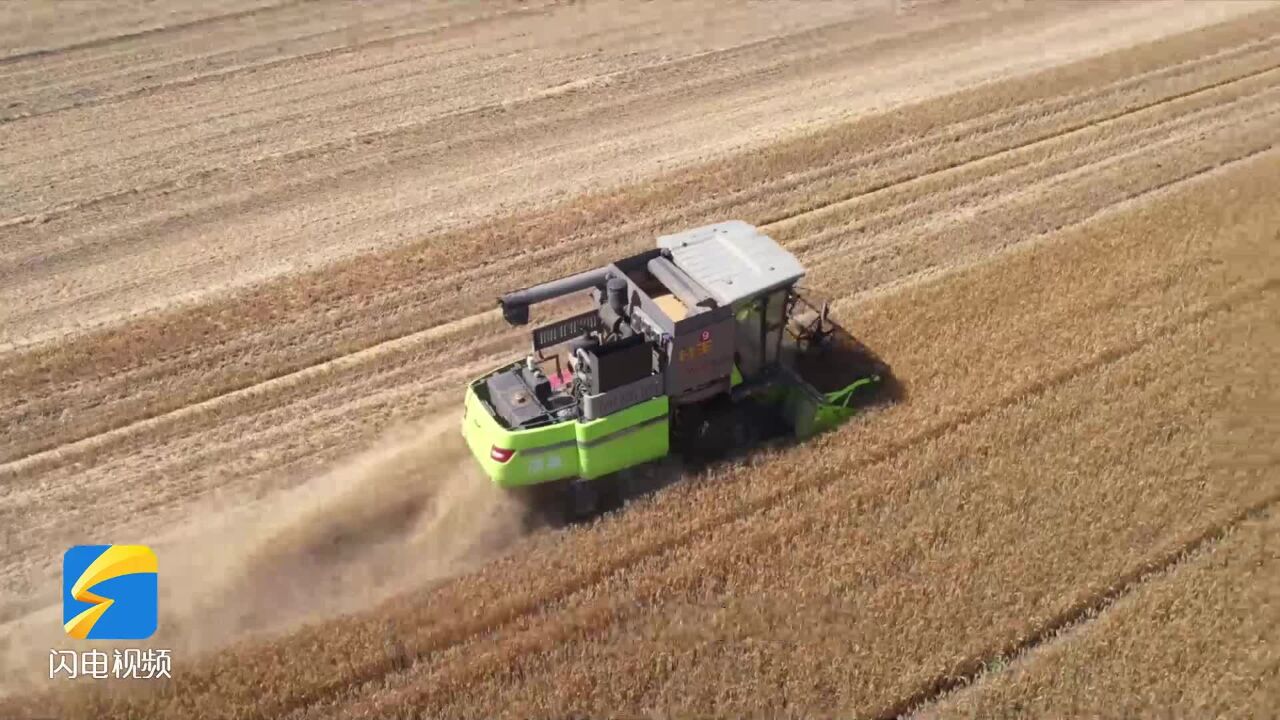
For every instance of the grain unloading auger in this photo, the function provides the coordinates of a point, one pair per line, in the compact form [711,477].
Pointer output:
[698,347]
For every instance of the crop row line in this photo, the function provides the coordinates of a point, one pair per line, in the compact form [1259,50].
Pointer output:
[466,116]
[1096,156]
[147,32]
[1072,130]
[1088,610]
[237,71]
[62,453]
[989,123]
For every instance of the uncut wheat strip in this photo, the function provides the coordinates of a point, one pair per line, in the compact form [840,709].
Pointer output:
[879,258]
[810,235]
[843,600]
[1085,269]
[133,386]
[479,338]
[1065,338]
[1199,639]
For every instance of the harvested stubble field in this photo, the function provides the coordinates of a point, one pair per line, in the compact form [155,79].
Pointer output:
[249,258]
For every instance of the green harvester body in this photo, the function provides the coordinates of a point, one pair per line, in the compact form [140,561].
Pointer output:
[683,347]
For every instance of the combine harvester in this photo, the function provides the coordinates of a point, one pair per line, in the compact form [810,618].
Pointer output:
[699,347]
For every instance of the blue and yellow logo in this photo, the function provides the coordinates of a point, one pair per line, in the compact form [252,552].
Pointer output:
[109,592]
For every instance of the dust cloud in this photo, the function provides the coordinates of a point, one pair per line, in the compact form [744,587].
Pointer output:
[412,510]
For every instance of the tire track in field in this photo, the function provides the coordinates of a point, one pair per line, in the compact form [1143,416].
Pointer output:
[412,140]
[470,22]
[53,457]
[972,178]
[149,32]
[454,636]
[1075,129]
[950,133]
[615,238]
[1040,109]
[918,244]
[59,453]
[239,71]
[1081,614]
[883,225]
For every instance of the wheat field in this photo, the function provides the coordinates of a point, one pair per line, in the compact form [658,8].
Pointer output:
[250,256]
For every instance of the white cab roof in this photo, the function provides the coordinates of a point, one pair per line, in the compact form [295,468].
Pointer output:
[733,260]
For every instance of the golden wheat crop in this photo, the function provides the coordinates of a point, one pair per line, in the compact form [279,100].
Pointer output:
[1199,639]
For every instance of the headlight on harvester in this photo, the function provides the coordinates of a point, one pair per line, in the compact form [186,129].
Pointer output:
[501,454]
